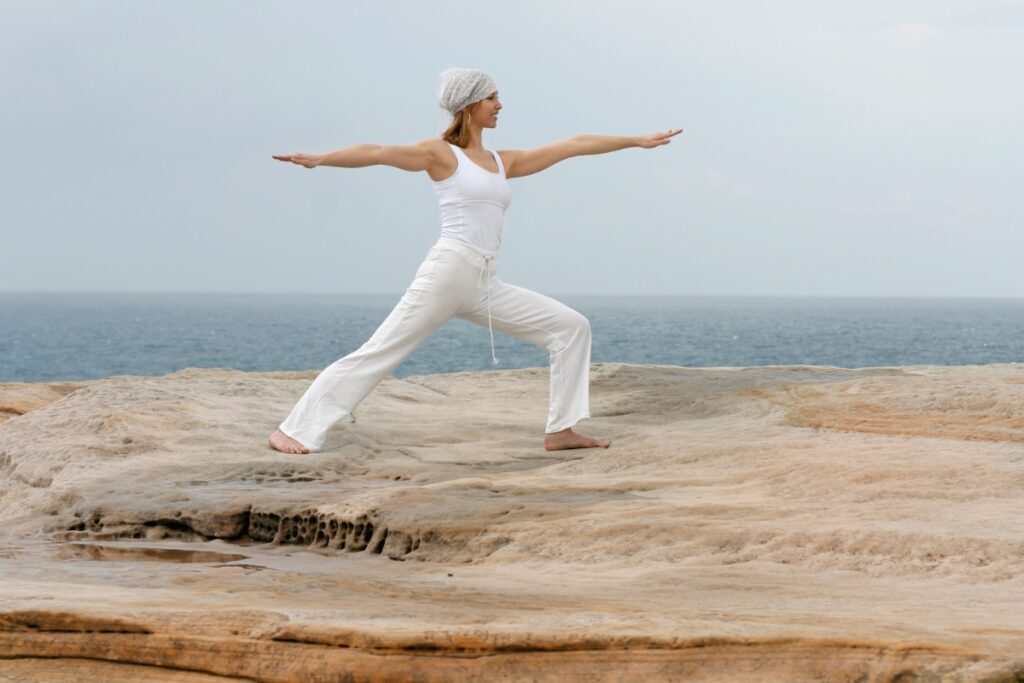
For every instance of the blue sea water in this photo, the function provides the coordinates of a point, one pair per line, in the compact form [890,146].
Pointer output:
[48,336]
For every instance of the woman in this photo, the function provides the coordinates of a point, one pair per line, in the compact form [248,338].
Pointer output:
[458,276]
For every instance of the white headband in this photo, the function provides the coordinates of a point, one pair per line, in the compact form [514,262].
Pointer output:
[460,88]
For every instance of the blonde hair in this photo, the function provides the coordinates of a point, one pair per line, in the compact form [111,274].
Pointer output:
[458,133]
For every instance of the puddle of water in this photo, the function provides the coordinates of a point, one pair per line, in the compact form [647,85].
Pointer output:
[105,553]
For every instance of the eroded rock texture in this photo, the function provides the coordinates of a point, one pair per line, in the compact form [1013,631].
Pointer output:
[747,524]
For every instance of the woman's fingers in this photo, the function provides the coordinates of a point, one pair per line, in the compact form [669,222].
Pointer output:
[297,158]
[656,139]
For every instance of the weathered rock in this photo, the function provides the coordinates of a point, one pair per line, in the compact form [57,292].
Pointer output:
[18,398]
[777,523]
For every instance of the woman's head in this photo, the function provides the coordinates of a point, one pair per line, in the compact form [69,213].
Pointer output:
[467,95]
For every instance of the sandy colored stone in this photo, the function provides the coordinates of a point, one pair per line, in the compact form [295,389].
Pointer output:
[71,669]
[19,398]
[747,524]
[935,403]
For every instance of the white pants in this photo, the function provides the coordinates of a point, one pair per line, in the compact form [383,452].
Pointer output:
[456,279]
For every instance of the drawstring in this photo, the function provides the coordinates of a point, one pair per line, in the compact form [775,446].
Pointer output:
[485,268]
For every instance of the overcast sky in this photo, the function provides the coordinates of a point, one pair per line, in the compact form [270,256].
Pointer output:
[848,149]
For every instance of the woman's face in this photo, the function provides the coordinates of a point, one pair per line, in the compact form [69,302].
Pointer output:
[486,110]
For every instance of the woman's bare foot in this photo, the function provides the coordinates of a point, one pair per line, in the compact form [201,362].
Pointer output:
[570,439]
[280,441]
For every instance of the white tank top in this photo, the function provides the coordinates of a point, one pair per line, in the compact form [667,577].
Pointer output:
[473,202]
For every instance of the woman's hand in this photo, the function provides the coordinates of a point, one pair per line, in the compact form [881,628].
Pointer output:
[657,139]
[302,159]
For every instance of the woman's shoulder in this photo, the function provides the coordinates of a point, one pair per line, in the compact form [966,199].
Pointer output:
[445,162]
[432,145]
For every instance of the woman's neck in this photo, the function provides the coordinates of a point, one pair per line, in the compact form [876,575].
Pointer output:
[476,138]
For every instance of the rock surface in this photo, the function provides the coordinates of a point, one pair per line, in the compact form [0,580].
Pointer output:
[747,524]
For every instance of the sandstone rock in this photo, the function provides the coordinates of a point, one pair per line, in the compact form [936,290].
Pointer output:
[747,524]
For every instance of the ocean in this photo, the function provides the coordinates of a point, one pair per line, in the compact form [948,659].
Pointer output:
[52,337]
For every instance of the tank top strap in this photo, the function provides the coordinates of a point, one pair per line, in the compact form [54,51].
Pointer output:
[501,166]
[461,154]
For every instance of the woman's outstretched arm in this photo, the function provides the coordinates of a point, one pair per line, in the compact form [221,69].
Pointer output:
[419,156]
[519,163]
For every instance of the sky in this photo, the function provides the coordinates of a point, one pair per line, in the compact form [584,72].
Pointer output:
[830,149]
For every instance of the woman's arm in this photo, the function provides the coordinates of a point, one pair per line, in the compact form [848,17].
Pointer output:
[519,163]
[419,156]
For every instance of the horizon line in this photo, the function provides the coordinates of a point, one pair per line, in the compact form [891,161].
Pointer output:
[562,294]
